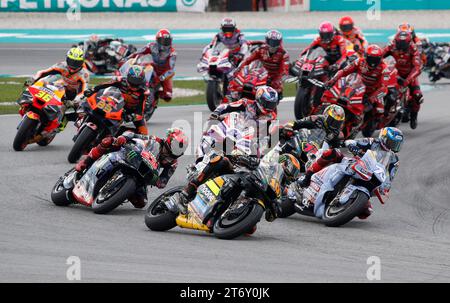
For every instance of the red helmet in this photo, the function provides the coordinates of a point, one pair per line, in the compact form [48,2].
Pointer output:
[176,142]
[374,55]
[403,40]
[164,39]
[346,24]
[326,31]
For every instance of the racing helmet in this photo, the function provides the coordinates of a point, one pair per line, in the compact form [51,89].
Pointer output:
[164,39]
[266,99]
[391,138]
[346,25]
[75,59]
[273,40]
[136,77]
[291,166]
[326,31]
[94,38]
[373,55]
[228,27]
[334,117]
[176,142]
[403,40]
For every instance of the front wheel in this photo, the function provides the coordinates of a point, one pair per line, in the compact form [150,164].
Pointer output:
[302,104]
[113,193]
[26,131]
[82,143]
[158,217]
[213,95]
[336,214]
[238,221]
[60,195]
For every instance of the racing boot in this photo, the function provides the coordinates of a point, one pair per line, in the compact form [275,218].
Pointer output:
[413,120]
[366,212]
[138,199]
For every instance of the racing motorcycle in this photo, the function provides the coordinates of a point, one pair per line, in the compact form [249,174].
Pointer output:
[312,65]
[348,92]
[341,191]
[105,58]
[102,116]
[438,63]
[152,80]
[227,206]
[110,181]
[215,66]
[42,112]
[245,84]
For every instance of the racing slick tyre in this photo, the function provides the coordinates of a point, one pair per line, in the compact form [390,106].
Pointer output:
[287,208]
[60,195]
[82,143]
[24,133]
[116,190]
[335,216]
[302,104]
[238,222]
[213,95]
[158,217]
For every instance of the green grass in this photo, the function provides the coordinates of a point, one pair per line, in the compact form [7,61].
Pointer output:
[9,92]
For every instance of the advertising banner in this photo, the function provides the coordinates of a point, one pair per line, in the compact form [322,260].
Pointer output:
[103,5]
[349,5]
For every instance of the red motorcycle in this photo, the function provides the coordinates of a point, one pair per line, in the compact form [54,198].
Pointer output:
[311,65]
[245,84]
[348,93]
[42,112]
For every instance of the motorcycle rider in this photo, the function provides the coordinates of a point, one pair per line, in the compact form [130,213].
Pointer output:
[409,66]
[374,73]
[353,34]
[331,121]
[389,140]
[164,58]
[334,45]
[263,107]
[274,58]
[73,72]
[134,91]
[166,150]
[233,39]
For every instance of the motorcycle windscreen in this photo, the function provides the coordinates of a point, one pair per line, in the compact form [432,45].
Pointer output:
[206,197]
[270,172]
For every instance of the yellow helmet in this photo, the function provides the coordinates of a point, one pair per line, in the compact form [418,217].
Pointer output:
[75,58]
[291,166]
[334,117]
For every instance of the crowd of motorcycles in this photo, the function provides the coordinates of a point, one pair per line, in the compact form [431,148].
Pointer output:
[226,205]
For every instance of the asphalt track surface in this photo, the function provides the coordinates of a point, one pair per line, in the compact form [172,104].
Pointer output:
[410,234]
[26,59]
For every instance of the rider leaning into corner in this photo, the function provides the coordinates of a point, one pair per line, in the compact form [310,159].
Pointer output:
[164,58]
[264,107]
[134,91]
[274,58]
[166,150]
[353,34]
[73,72]
[409,66]
[374,73]
[389,140]
[233,39]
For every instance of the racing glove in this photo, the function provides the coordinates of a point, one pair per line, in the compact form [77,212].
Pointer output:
[354,149]
[129,117]
[28,82]
[89,92]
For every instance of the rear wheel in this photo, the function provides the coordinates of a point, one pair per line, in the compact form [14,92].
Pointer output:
[302,104]
[113,193]
[238,221]
[82,143]
[213,94]
[158,217]
[25,132]
[336,214]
